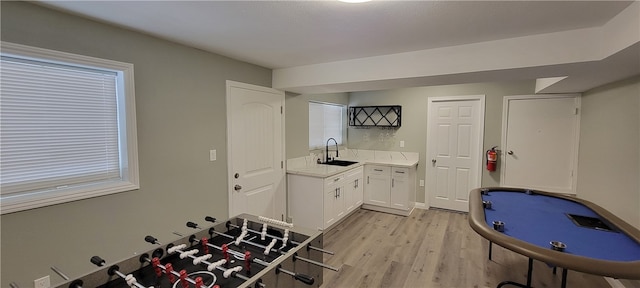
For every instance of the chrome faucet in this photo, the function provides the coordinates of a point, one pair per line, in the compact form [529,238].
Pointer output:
[327,150]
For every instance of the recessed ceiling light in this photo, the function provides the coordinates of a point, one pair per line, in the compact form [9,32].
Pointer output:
[354,1]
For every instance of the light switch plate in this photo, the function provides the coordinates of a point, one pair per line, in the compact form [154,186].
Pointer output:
[402,144]
[43,282]
[421,183]
[212,155]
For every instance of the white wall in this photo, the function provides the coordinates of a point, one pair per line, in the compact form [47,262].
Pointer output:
[609,157]
[181,114]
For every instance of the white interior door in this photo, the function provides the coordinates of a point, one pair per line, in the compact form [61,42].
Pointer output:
[540,142]
[255,136]
[454,150]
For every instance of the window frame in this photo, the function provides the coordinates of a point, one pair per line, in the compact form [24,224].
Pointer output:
[343,125]
[126,123]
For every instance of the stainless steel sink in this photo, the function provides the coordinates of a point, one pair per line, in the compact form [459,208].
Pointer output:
[340,163]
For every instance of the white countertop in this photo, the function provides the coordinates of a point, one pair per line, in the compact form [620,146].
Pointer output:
[307,166]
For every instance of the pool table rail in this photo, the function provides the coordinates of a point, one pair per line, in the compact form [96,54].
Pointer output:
[615,269]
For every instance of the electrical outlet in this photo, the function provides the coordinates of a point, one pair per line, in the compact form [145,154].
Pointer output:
[43,282]
[212,155]
[421,183]
[402,144]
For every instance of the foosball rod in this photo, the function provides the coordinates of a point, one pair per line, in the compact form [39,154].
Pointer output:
[164,268]
[279,238]
[231,251]
[295,256]
[298,276]
[212,231]
[153,240]
[114,269]
[75,284]
[173,272]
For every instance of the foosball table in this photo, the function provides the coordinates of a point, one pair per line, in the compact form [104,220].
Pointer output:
[245,251]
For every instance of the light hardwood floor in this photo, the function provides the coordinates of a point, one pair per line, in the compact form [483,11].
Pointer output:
[430,248]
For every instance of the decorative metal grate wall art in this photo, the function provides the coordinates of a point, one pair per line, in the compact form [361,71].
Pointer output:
[375,116]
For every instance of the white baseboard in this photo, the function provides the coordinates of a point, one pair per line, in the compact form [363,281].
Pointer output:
[387,210]
[421,205]
[614,283]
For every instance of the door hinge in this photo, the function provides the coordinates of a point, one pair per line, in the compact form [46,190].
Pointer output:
[281,164]
[576,111]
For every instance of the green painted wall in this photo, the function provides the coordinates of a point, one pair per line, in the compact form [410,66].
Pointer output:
[414,120]
[609,152]
[181,114]
[609,157]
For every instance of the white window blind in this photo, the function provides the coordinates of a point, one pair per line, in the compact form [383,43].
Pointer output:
[59,126]
[325,121]
[63,132]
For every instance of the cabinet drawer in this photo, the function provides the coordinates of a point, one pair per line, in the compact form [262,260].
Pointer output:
[400,173]
[378,170]
[333,180]
[354,173]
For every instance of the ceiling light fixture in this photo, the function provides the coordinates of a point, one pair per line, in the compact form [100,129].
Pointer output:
[354,1]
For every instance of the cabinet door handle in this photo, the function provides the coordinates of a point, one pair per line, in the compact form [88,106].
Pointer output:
[401,172]
[367,179]
[379,170]
[338,192]
[335,193]
[393,182]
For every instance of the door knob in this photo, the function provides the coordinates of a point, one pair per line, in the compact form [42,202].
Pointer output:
[510,152]
[433,161]
[237,187]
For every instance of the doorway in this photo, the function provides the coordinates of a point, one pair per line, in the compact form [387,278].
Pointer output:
[255,138]
[455,130]
[540,142]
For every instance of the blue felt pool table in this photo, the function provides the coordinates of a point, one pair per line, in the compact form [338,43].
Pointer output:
[532,219]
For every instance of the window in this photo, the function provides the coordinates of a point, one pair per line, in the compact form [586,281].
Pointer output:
[67,127]
[325,121]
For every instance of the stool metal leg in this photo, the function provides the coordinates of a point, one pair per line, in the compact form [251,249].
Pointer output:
[564,278]
[530,272]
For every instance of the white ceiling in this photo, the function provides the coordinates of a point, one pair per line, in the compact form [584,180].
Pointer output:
[286,34]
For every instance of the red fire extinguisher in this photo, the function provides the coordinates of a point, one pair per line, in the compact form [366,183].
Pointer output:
[492,158]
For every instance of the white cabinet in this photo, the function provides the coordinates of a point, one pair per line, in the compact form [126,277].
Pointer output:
[377,191]
[333,200]
[400,189]
[319,203]
[353,189]
[390,189]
